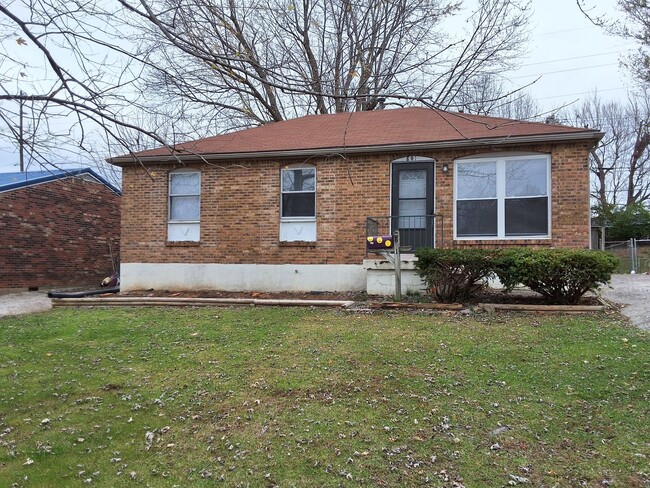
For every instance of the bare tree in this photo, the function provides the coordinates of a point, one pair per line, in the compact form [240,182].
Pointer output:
[620,164]
[635,26]
[69,71]
[254,61]
[127,74]
[607,159]
[486,95]
[638,178]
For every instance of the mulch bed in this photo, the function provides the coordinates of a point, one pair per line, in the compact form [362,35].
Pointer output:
[525,297]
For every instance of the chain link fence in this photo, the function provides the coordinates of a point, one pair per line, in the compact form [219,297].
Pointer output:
[633,254]
[642,255]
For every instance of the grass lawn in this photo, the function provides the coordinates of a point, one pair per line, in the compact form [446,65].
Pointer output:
[299,397]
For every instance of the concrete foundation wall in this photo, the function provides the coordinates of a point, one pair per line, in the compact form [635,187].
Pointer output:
[381,277]
[242,277]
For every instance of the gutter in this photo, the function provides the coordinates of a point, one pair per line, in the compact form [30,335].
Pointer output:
[289,153]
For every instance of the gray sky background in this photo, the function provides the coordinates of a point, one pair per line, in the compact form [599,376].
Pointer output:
[573,57]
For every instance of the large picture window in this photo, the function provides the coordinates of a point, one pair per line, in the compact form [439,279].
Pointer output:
[505,197]
[298,203]
[184,206]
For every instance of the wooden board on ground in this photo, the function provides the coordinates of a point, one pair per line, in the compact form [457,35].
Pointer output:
[490,307]
[430,306]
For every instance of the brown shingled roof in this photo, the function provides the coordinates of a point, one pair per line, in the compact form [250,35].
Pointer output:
[367,132]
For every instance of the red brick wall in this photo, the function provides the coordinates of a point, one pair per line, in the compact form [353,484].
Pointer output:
[56,234]
[240,208]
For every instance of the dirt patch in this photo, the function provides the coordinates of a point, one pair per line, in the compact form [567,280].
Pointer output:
[525,297]
[488,295]
[313,295]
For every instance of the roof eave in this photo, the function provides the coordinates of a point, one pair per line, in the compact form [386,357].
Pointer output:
[292,153]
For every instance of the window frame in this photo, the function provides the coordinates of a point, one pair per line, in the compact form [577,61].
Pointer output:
[501,161]
[298,218]
[298,229]
[170,196]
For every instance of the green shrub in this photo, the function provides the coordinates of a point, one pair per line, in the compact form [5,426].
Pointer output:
[454,274]
[560,275]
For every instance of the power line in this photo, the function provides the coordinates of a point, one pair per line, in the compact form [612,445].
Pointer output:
[571,59]
[563,71]
[582,93]
[21,138]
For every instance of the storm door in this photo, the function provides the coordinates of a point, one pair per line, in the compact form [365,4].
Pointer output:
[412,204]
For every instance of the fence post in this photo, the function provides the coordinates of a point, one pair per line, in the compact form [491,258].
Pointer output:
[398,266]
[630,256]
[633,260]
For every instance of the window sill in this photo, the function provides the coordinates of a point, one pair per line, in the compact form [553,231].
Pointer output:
[297,243]
[182,243]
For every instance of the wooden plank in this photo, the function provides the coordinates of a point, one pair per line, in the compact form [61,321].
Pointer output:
[193,302]
[431,306]
[541,308]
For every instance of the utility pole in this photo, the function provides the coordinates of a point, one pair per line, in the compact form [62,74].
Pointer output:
[21,139]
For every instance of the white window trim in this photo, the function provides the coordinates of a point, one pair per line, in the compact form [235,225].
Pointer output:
[500,160]
[306,218]
[299,228]
[169,201]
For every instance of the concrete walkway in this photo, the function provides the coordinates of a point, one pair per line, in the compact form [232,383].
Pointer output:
[22,303]
[632,292]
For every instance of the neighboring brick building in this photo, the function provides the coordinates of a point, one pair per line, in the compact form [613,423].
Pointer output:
[285,206]
[55,229]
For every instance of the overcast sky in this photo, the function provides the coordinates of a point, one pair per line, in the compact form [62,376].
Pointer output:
[573,57]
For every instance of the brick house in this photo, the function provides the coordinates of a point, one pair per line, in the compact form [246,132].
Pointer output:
[55,229]
[288,205]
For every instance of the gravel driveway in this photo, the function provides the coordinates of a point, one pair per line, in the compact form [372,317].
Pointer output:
[21,303]
[633,293]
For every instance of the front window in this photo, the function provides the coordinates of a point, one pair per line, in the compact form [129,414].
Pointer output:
[184,206]
[505,197]
[299,192]
[298,203]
